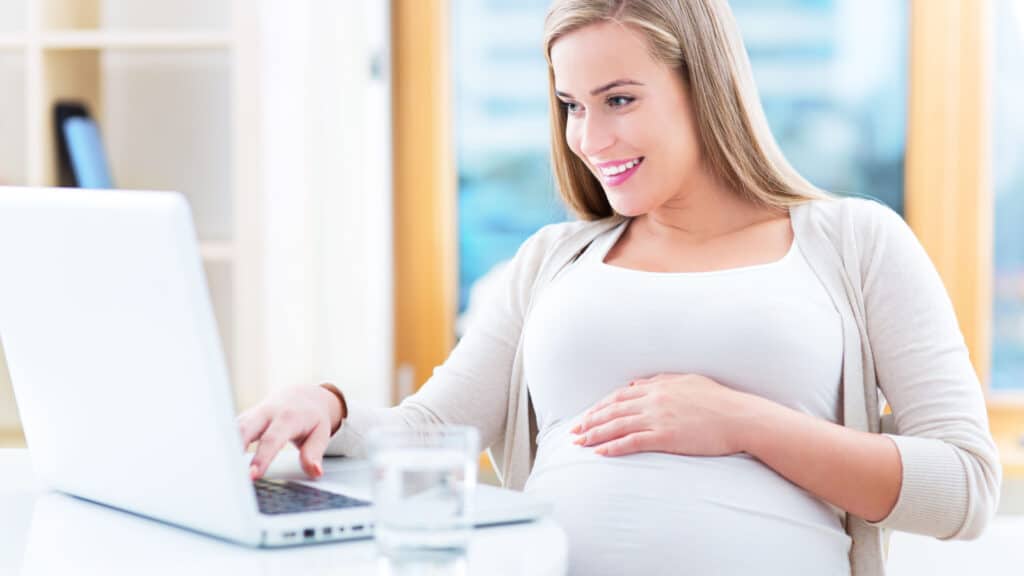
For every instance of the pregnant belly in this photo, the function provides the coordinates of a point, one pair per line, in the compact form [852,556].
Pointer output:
[656,513]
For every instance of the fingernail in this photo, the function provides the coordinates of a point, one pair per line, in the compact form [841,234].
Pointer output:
[576,429]
[580,441]
[253,471]
[319,470]
[601,451]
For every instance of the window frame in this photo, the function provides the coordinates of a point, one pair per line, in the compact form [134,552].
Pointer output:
[949,183]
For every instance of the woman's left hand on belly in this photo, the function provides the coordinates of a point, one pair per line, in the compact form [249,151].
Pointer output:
[685,414]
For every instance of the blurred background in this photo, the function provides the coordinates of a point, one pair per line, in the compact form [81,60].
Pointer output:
[355,168]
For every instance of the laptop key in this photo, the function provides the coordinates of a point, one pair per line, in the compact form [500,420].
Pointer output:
[284,497]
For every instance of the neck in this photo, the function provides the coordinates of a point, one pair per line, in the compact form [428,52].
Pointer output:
[706,210]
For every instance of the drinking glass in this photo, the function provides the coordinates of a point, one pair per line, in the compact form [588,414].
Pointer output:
[423,485]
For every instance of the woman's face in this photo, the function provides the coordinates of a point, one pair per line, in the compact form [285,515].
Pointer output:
[629,117]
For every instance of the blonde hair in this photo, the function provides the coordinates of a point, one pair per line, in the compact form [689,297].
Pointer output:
[701,40]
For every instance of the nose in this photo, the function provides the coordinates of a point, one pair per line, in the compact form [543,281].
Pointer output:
[596,135]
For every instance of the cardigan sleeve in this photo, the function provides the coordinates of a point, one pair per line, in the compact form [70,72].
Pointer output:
[951,470]
[472,386]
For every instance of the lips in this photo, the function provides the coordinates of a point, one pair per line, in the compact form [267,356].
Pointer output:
[621,177]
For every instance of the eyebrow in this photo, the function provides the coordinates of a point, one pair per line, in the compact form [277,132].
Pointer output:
[605,88]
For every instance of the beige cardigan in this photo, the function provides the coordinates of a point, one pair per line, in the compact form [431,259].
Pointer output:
[900,339]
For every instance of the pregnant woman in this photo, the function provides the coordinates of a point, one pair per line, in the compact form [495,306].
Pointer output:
[693,371]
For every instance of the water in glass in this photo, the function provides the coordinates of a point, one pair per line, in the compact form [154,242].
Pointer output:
[423,491]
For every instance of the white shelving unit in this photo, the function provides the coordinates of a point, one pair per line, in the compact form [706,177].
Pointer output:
[92,39]
[274,118]
[164,79]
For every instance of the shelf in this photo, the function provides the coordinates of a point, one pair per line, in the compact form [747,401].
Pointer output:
[144,40]
[167,124]
[217,252]
[133,15]
[13,41]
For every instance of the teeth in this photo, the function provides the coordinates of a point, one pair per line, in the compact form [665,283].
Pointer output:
[614,170]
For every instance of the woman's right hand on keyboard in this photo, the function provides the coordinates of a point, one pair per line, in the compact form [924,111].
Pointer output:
[304,415]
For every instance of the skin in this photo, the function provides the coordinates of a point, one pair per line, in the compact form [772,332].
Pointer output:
[685,219]
[304,415]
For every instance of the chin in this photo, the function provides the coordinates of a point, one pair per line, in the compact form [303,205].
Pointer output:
[627,207]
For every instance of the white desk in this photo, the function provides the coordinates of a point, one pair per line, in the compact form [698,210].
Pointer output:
[44,533]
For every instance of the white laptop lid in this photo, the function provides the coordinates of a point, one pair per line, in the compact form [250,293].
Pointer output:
[110,340]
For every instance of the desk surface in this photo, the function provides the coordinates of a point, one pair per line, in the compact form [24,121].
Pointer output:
[49,533]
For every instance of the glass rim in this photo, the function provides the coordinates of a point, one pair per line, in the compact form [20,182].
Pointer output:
[433,431]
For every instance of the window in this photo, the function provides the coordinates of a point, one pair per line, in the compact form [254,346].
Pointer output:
[835,101]
[1008,180]
[505,187]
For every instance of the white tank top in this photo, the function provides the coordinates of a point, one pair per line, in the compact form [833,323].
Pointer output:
[769,330]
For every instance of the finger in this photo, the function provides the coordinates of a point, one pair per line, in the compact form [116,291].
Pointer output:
[645,441]
[612,430]
[252,424]
[276,436]
[620,395]
[609,412]
[311,453]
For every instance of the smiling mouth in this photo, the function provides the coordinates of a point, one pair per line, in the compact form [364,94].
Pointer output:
[617,175]
[613,171]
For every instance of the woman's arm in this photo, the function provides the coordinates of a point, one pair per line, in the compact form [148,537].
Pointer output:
[857,471]
[951,469]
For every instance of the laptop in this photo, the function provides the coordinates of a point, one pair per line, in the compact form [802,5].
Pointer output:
[121,383]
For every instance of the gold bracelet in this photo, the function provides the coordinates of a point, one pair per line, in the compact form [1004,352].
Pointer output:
[341,398]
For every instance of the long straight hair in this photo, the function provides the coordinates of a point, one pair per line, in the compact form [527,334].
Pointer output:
[701,40]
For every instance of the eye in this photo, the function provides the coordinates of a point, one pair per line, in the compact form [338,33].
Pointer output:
[568,107]
[620,101]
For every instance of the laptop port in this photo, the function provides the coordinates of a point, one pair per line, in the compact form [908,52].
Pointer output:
[328,531]
[289,534]
[357,528]
[308,533]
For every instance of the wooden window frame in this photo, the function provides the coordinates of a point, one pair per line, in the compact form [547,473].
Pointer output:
[425,236]
[949,187]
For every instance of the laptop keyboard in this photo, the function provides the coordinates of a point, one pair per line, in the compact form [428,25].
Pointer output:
[284,497]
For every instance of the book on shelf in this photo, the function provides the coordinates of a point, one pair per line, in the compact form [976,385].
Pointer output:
[81,160]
